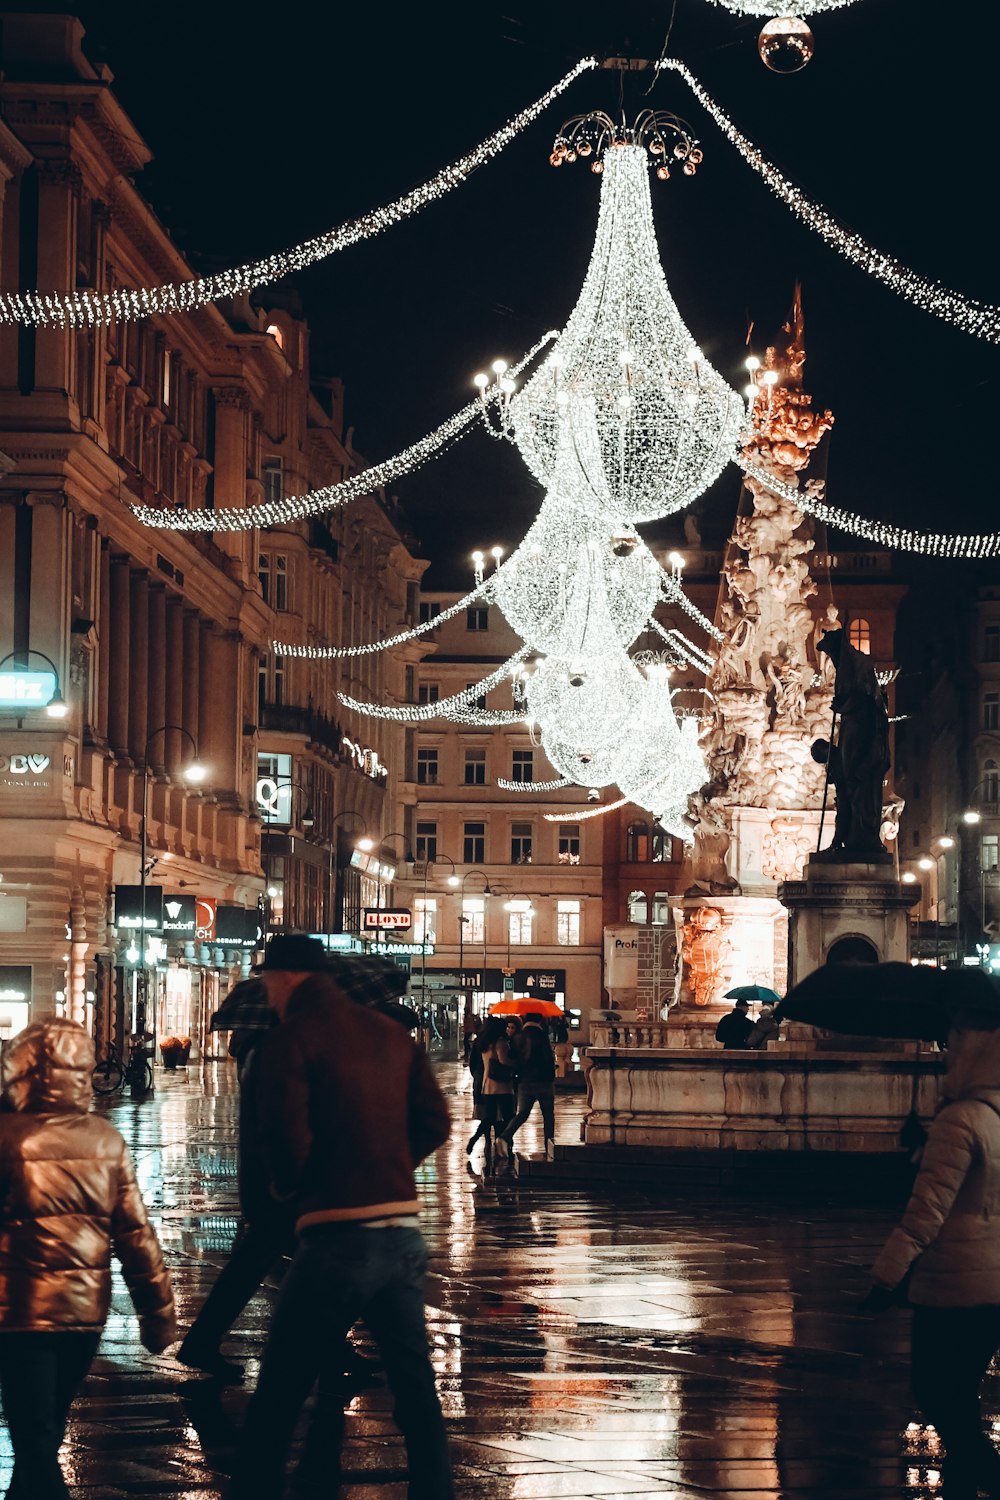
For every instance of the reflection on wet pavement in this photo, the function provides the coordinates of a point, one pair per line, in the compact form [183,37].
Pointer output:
[629,1342]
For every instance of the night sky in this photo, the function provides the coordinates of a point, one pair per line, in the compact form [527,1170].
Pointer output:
[268,131]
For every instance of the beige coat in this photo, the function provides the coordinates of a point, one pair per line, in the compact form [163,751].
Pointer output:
[952,1221]
[68,1197]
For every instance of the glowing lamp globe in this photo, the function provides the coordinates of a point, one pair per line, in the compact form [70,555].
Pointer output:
[785,44]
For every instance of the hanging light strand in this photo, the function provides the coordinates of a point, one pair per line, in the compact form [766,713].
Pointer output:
[533,786]
[93,308]
[930,544]
[332,496]
[686,650]
[330,653]
[978,318]
[422,713]
[673,591]
[584,817]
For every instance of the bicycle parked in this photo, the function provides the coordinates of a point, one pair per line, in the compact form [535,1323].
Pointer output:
[112,1074]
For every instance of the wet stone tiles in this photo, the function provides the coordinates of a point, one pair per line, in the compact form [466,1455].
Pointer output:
[588,1342]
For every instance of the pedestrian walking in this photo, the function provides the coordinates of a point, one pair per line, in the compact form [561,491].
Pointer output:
[347,1106]
[496,1090]
[735,1027]
[947,1245]
[562,1048]
[69,1202]
[535,1064]
[470,1030]
[268,1233]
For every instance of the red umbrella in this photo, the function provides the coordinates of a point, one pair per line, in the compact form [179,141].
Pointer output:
[526,1008]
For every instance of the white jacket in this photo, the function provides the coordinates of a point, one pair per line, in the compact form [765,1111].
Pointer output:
[952,1221]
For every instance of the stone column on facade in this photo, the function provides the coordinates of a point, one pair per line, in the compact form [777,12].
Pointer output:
[156,715]
[138,687]
[232,458]
[219,724]
[49,615]
[118,630]
[190,674]
[178,752]
[14,158]
[102,693]
[59,185]
[76,995]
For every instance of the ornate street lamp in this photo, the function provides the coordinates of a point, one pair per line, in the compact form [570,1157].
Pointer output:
[32,694]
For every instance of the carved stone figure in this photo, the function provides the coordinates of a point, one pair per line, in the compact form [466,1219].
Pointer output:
[859,767]
[787,846]
[705,949]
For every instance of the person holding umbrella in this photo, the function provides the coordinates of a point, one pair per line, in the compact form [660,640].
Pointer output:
[735,1030]
[535,1064]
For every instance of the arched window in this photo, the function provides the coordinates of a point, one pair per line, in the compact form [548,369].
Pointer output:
[859,634]
[991,781]
[662,846]
[637,907]
[276,334]
[661,908]
[637,843]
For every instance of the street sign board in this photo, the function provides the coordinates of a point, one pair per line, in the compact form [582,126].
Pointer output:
[387,918]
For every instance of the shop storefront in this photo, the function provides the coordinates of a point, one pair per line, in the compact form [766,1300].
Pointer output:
[15,998]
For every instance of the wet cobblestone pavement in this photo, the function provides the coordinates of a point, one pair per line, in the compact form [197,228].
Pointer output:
[587,1342]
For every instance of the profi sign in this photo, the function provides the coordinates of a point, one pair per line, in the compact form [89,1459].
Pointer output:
[621,956]
[387,918]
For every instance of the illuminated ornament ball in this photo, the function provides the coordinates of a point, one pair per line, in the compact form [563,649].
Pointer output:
[785,44]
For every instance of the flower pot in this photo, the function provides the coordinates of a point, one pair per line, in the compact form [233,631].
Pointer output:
[185,1057]
[171,1056]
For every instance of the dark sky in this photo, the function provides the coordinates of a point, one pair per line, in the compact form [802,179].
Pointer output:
[266,131]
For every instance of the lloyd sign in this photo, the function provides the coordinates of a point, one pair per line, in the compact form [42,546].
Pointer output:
[387,918]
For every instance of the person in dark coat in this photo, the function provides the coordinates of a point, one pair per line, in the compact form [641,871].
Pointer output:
[535,1065]
[347,1106]
[735,1027]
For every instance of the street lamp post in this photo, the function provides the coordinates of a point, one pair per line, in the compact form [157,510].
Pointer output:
[307,819]
[334,862]
[194,772]
[32,696]
[452,881]
[487,892]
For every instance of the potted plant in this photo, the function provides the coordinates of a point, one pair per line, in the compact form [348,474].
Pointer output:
[170,1051]
[185,1056]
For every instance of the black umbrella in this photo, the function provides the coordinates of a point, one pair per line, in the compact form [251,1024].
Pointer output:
[916,1002]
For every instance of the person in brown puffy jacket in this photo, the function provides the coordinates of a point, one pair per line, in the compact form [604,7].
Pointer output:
[68,1198]
[948,1241]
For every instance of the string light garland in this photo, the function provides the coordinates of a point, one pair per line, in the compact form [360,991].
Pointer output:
[94,308]
[673,591]
[421,713]
[930,544]
[332,496]
[978,318]
[330,653]
[587,813]
[781,7]
[533,786]
[687,652]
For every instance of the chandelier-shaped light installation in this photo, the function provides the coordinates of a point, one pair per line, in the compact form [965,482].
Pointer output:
[652,422]
[782,7]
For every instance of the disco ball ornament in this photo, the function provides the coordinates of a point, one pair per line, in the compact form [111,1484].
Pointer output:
[785,44]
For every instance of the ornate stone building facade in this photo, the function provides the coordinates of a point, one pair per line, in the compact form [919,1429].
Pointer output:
[161,640]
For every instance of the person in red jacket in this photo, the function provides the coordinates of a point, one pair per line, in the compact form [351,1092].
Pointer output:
[346,1108]
[68,1200]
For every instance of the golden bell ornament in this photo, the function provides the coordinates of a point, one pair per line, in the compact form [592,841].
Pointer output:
[680,151]
[571,155]
[656,148]
[697,155]
[663,172]
[555,160]
[785,44]
[597,166]
[690,168]
[584,148]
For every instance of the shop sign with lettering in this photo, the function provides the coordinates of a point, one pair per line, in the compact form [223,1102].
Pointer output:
[204,915]
[237,927]
[386,918]
[179,915]
[129,908]
[26,689]
[25,773]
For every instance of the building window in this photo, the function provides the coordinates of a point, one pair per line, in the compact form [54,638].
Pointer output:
[991,643]
[520,843]
[569,843]
[637,844]
[166,383]
[477,617]
[474,844]
[473,919]
[475,768]
[479,702]
[520,914]
[991,782]
[425,919]
[661,908]
[427,842]
[991,710]
[276,333]
[989,851]
[637,906]
[428,692]
[271,681]
[568,924]
[523,766]
[859,633]
[661,846]
[274,481]
[429,610]
[272,570]
[427,766]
